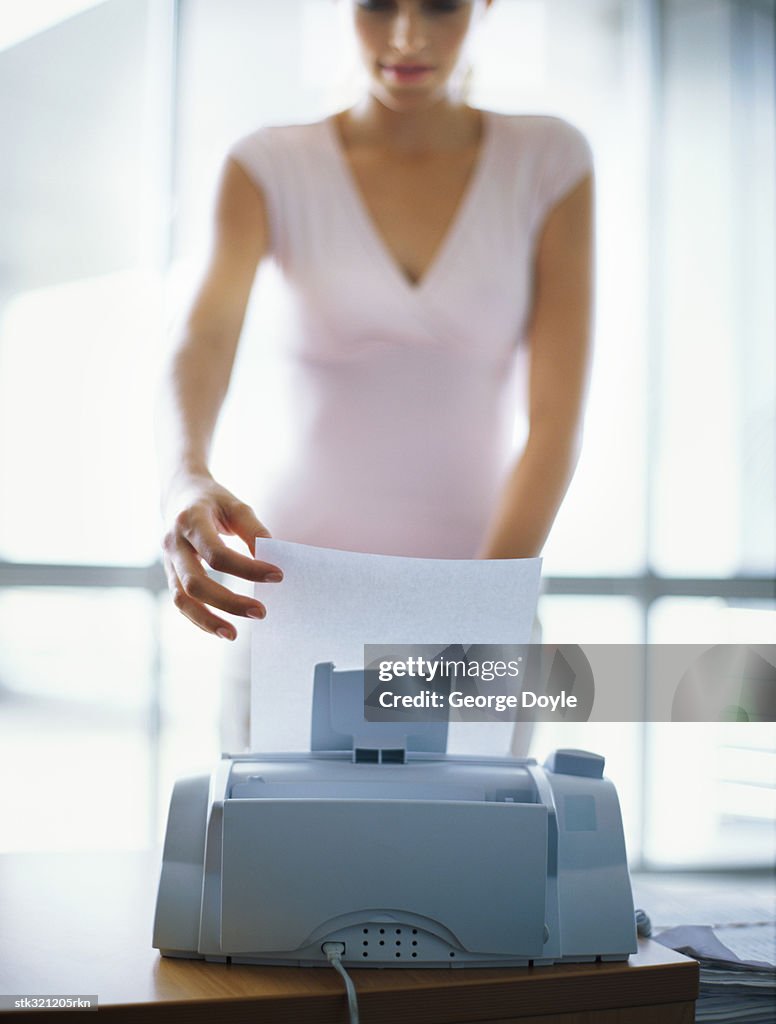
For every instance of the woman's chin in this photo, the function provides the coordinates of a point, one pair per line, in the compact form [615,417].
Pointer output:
[409,98]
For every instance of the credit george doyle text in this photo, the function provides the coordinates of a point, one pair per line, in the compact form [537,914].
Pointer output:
[456,682]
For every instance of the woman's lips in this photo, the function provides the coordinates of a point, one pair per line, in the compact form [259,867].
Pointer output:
[406,72]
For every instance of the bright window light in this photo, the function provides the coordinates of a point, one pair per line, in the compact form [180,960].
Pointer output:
[20,21]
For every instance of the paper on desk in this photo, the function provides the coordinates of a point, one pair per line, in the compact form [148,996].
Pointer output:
[751,943]
[705,944]
[331,603]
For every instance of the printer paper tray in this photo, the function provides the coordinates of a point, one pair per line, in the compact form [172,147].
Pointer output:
[292,870]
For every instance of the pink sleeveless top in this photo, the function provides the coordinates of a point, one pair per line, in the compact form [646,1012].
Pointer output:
[406,393]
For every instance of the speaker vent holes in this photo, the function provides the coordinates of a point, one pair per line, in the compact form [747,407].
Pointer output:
[387,943]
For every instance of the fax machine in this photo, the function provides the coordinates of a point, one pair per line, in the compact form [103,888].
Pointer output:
[409,856]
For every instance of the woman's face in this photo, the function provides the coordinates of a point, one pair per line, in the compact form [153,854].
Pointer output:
[412,49]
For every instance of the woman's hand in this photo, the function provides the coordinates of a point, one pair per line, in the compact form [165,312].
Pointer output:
[197,509]
[200,511]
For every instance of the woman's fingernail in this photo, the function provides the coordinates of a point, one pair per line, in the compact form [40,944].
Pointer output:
[274,577]
[255,613]
[224,633]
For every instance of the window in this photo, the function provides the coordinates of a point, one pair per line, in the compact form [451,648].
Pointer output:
[118,115]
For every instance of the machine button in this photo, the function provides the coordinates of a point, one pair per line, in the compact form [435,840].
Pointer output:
[575,762]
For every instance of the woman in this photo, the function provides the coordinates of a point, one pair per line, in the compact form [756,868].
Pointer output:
[423,240]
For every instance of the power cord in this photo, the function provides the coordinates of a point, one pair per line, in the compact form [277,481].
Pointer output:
[334,952]
[643,924]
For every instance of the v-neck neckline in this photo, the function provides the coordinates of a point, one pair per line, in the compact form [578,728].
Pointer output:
[455,225]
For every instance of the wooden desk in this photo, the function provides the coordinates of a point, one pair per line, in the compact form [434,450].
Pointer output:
[81,923]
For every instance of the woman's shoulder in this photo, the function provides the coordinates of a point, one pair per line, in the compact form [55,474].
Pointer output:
[273,136]
[545,156]
[548,154]
[542,131]
[270,153]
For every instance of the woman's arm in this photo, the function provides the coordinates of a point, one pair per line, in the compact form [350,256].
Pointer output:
[559,340]
[197,510]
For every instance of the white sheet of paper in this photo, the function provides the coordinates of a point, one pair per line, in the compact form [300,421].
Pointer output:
[331,603]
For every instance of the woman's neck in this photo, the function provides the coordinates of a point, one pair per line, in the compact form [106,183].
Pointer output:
[443,126]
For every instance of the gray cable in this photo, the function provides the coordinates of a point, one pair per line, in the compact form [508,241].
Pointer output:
[643,924]
[334,952]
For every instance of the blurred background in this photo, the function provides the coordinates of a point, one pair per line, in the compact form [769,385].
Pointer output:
[115,118]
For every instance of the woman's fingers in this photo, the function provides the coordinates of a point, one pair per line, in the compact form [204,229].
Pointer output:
[194,610]
[198,585]
[194,540]
[201,533]
[193,591]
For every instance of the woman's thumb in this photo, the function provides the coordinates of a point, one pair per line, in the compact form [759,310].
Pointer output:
[245,525]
